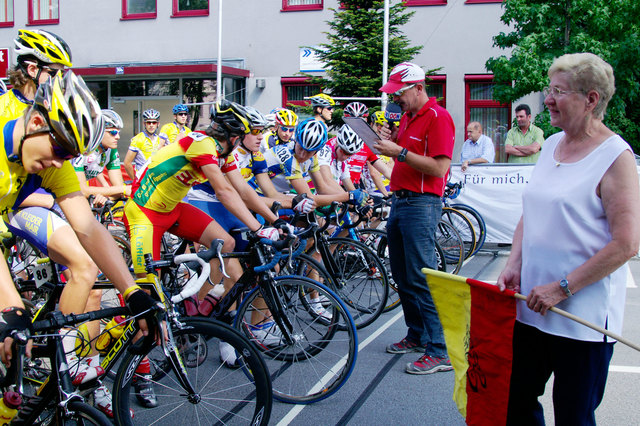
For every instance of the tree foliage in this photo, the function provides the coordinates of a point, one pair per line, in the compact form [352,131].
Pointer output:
[353,53]
[542,30]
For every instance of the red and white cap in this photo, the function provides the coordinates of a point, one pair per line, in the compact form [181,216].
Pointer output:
[401,74]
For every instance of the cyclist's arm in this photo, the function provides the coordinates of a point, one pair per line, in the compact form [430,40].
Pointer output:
[331,186]
[229,197]
[382,167]
[301,186]
[376,177]
[270,191]
[249,195]
[107,191]
[128,163]
[38,199]
[348,185]
[96,240]
[10,296]
[115,176]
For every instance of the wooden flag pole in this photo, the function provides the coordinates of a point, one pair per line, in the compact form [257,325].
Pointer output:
[588,324]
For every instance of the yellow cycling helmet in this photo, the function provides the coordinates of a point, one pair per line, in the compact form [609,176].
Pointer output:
[72,112]
[322,100]
[45,46]
[286,117]
[378,118]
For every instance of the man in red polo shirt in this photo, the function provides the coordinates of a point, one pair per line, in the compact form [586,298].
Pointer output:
[422,146]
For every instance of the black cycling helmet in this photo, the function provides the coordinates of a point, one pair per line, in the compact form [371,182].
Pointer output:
[228,119]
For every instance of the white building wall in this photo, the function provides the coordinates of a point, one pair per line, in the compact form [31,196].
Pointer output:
[456,37]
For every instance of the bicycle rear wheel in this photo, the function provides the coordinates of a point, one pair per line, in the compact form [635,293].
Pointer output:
[318,359]
[464,227]
[451,244]
[479,226]
[222,395]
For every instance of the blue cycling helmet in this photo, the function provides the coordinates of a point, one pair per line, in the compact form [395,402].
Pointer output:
[180,108]
[311,134]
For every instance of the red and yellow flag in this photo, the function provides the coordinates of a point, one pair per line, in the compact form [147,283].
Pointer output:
[477,320]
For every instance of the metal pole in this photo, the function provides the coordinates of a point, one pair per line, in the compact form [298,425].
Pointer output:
[385,52]
[219,67]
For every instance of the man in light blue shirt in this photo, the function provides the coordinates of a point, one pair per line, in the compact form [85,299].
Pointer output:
[478,148]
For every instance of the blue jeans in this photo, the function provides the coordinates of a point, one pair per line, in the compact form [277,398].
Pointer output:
[411,235]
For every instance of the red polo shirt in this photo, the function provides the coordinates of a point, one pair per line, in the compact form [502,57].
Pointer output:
[429,133]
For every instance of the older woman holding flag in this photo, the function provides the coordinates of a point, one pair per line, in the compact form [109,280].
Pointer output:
[578,229]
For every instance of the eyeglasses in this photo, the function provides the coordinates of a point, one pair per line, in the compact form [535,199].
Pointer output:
[150,122]
[58,151]
[256,132]
[287,129]
[330,108]
[51,71]
[556,91]
[113,132]
[402,90]
[182,113]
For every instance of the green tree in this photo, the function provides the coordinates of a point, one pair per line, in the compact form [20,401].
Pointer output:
[353,53]
[542,30]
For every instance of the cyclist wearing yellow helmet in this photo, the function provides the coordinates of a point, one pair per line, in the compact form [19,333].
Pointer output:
[286,122]
[37,146]
[40,55]
[323,106]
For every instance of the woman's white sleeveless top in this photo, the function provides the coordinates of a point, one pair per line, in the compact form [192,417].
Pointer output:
[565,225]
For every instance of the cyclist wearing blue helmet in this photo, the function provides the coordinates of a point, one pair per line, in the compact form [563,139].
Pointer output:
[171,132]
[291,166]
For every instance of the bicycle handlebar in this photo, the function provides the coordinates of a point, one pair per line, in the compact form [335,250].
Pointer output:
[197,281]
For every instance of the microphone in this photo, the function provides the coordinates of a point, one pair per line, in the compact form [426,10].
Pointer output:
[393,114]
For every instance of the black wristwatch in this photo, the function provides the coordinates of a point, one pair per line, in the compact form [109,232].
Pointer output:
[402,156]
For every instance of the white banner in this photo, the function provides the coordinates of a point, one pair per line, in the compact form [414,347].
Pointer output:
[495,190]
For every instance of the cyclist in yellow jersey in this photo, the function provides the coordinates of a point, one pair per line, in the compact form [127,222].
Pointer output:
[36,147]
[285,125]
[144,144]
[171,132]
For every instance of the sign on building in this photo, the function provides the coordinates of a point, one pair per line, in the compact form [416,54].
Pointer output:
[309,61]
[4,62]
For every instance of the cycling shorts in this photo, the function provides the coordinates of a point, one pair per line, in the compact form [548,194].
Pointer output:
[146,228]
[226,219]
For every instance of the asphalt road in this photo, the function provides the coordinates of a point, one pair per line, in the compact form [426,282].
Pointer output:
[379,392]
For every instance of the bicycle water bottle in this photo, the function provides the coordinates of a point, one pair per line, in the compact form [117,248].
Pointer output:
[83,342]
[112,332]
[9,407]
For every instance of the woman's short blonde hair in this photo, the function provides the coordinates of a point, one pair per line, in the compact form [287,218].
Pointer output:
[588,72]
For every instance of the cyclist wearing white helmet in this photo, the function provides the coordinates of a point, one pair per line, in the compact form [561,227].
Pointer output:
[178,129]
[356,109]
[285,125]
[323,106]
[291,166]
[106,156]
[65,121]
[144,143]
[39,55]
[333,158]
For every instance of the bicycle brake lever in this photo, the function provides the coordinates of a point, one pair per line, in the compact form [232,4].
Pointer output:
[219,256]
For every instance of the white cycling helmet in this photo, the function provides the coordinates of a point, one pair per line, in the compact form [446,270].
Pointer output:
[112,119]
[151,115]
[356,109]
[348,140]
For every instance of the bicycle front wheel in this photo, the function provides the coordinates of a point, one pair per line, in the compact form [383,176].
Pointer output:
[312,359]
[220,395]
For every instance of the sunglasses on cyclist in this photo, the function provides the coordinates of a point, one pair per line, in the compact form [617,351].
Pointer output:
[182,113]
[287,129]
[51,71]
[113,132]
[58,151]
[150,122]
[256,132]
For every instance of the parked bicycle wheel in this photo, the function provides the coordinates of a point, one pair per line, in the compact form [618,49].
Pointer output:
[451,243]
[359,278]
[479,226]
[219,396]
[312,359]
[464,227]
